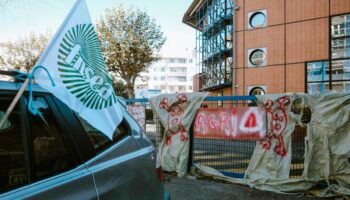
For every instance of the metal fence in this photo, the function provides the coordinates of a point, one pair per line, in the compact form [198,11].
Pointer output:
[154,129]
[231,157]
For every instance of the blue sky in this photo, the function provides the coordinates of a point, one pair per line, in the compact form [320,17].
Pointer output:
[21,17]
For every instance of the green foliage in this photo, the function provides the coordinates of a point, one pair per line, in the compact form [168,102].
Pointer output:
[131,41]
[23,53]
[120,88]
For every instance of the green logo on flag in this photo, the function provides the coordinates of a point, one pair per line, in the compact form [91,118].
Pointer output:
[82,68]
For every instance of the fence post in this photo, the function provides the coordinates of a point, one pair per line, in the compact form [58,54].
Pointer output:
[190,157]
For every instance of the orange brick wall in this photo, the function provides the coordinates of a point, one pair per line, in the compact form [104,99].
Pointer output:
[297,32]
[301,10]
[295,77]
[272,77]
[307,40]
[272,38]
[340,7]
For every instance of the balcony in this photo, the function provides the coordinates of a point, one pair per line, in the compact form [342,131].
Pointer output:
[205,82]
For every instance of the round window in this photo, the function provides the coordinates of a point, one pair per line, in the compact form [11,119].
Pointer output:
[257,20]
[257,91]
[257,57]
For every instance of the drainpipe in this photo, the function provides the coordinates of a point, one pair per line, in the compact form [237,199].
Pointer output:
[234,47]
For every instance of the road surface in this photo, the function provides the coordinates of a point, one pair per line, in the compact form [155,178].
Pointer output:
[193,189]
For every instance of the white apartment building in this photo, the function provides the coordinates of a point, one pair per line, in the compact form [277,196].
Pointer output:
[169,75]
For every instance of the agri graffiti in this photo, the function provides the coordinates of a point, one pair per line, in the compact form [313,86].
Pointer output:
[175,112]
[278,119]
[235,123]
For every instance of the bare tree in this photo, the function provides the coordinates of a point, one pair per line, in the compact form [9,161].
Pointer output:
[131,41]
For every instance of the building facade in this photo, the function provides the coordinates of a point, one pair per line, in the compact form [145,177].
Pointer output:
[271,46]
[168,75]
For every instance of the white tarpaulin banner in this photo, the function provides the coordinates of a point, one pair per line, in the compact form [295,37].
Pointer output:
[74,60]
[327,149]
[176,112]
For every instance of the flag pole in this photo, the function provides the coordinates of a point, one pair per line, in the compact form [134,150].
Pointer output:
[14,101]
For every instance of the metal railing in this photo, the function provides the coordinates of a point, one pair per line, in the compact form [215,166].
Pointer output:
[231,157]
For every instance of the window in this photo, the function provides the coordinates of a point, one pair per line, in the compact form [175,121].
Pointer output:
[257,57]
[51,152]
[318,71]
[341,86]
[340,26]
[182,60]
[333,74]
[99,140]
[178,69]
[162,78]
[162,69]
[341,69]
[177,78]
[182,88]
[154,78]
[257,91]
[340,33]
[257,19]
[46,150]
[317,76]
[341,75]
[341,48]
[13,171]
[182,78]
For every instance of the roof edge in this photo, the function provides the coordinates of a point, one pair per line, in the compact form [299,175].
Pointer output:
[189,17]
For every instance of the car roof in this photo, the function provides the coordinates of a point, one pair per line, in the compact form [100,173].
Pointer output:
[15,86]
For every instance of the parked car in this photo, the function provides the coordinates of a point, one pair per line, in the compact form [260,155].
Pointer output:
[58,155]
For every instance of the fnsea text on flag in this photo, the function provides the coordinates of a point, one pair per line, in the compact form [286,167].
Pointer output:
[75,62]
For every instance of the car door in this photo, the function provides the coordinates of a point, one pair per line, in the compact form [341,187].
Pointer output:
[124,169]
[47,165]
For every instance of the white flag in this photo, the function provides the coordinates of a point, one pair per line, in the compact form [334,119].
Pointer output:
[74,60]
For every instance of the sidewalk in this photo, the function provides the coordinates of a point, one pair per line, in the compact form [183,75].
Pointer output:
[190,188]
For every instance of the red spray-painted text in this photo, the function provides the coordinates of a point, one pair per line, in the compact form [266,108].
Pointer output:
[233,123]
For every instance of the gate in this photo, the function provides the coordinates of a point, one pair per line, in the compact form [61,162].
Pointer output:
[230,157]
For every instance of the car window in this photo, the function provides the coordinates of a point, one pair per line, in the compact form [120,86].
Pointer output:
[51,152]
[99,140]
[6,125]
[136,128]
[13,171]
